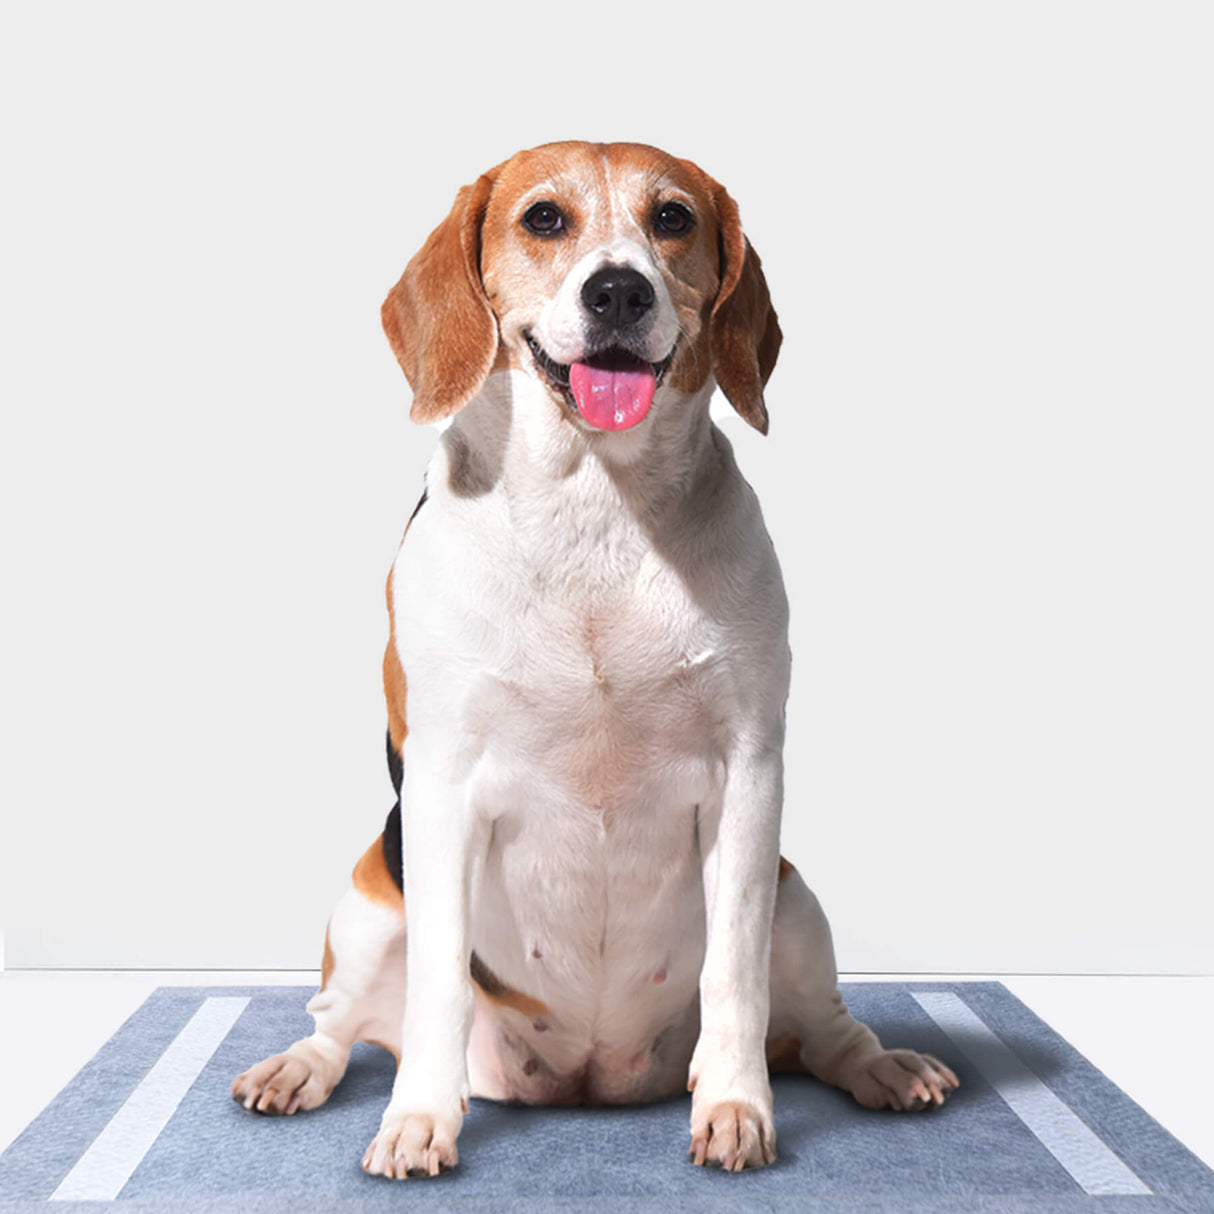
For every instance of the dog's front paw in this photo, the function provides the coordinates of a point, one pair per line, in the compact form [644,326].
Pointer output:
[413,1144]
[731,1110]
[734,1134]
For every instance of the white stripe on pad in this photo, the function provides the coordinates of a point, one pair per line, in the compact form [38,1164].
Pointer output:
[117,1151]
[1089,1161]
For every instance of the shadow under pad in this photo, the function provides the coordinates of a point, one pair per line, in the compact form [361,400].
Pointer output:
[1034,1127]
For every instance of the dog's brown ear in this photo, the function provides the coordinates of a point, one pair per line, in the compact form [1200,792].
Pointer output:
[745,333]
[438,319]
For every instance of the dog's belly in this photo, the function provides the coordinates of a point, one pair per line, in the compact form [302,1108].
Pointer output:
[590,901]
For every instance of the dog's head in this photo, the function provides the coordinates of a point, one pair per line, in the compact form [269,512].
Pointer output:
[606,271]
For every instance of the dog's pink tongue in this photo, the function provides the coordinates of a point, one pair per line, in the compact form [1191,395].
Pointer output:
[612,397]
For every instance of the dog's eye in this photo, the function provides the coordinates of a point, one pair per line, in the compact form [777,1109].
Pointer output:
[673,218]
[543,218]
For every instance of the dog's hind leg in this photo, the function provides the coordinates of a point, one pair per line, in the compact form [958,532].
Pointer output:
[810,1028]
[361,997]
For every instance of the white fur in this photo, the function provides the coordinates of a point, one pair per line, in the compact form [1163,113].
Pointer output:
[597,662]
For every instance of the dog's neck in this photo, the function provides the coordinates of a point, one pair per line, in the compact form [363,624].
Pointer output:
[513,439]
[585,508]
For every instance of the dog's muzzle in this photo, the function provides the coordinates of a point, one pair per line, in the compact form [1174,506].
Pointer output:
[611,389]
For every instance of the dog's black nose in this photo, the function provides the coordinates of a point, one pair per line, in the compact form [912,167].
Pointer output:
[617,296]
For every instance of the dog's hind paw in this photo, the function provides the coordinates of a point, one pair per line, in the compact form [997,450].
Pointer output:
[903,1080]
[281,1085]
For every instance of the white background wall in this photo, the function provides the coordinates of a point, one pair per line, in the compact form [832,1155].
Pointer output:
[988,234]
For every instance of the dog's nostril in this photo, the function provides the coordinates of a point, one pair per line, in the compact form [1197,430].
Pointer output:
[618,296]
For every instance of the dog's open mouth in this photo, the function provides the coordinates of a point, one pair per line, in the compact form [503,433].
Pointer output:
[611,390]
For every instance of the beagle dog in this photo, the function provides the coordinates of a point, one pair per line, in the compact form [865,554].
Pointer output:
[586,672]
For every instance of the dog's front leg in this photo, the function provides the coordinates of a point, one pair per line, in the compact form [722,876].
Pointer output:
[731,1110]
[442,837]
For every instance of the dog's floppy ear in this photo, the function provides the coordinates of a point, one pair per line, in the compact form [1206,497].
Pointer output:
[438,319]
[745,333]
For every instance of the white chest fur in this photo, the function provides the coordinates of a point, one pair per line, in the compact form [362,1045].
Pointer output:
[577,683]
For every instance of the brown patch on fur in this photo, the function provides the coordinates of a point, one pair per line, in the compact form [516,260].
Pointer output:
[745,333]
[373,880]
[784,1055]
[327,962]
[437,318]
[394,678]
[498,993]
[785,869]
[691,366]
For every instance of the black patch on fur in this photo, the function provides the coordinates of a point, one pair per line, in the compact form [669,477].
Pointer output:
[391,836]
[480,973]
[420,504]
[396,767]
[484,977]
